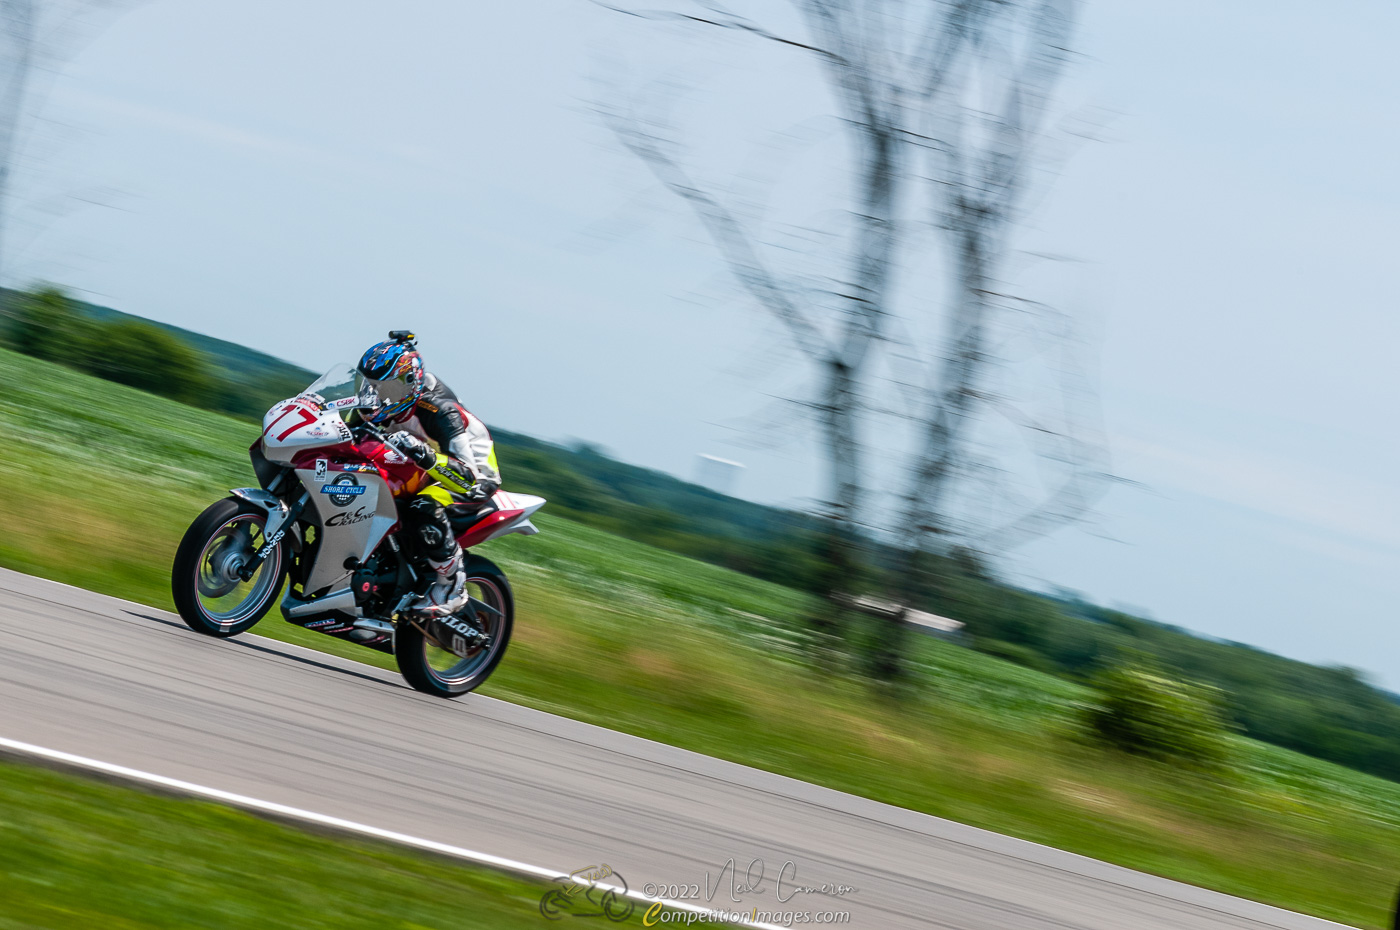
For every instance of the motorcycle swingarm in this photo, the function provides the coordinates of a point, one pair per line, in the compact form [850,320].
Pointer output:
[459,635]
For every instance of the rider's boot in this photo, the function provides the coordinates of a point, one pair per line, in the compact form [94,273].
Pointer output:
[448,593]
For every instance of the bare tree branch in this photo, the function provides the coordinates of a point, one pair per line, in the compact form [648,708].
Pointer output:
[19,21]
[982,185]
[34,33]
[721,19]
[728,234]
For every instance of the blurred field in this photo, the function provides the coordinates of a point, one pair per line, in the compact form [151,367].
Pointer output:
[101,481]
[81,853]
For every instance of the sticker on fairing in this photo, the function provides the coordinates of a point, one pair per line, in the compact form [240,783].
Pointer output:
[321,466]
[344,489]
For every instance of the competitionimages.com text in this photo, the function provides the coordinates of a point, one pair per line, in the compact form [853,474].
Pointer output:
[657,914]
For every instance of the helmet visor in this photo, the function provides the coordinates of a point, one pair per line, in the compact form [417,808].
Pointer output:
[391,390]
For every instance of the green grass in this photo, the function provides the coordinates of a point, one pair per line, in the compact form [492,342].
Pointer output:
[87,854]
[102,480]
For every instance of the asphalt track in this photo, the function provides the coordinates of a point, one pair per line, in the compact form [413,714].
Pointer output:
[106,679]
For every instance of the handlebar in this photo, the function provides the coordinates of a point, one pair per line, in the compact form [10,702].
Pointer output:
[370,431]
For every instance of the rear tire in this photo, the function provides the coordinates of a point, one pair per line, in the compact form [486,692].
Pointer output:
[440,673]
[208,594]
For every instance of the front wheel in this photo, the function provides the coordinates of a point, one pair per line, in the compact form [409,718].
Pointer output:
[210,595]
[432,669]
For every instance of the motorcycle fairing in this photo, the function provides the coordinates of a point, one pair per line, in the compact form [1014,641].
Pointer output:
[353,510]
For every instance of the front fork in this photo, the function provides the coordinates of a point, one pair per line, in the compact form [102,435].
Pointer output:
[279,518]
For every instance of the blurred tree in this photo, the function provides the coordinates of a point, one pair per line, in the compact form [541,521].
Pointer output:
[47,323]
[880,72]
[147,357]
[19,29]
[984,130]
[44,323]
[909,77]
[35,37]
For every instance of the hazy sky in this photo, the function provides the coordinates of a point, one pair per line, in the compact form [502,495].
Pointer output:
[302,177]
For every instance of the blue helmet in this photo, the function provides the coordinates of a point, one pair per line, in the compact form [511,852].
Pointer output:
[395,369]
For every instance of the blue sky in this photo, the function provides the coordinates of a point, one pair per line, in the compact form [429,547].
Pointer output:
[301,179]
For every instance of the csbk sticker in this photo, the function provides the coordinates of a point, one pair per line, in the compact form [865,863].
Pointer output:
[321,466]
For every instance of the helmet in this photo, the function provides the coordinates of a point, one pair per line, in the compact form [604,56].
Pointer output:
[395,369]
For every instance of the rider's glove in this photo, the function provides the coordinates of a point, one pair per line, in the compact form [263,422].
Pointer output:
[410,445]
[482,490]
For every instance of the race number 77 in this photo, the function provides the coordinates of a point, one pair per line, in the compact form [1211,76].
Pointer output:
[307,418]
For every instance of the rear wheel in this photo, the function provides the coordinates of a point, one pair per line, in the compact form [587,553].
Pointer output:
[209,593]
[433,670]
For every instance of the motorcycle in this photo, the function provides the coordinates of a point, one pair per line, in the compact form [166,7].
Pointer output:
[325,520]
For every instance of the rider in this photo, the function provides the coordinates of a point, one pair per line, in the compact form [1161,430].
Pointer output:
[422,407]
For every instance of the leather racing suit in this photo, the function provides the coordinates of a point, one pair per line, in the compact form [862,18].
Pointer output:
[466,474]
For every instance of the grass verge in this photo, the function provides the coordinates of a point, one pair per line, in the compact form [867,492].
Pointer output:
[81,853]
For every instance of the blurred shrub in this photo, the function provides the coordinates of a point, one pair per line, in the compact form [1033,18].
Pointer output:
[1142,710]
[44,323]
[147,357]
[47,324]
[1015,652]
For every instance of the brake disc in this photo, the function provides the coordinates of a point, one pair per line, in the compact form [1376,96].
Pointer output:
[219,574]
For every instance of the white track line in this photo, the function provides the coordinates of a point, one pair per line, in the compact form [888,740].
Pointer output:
[294,813]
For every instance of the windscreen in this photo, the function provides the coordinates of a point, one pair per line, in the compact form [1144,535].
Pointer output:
[342,388]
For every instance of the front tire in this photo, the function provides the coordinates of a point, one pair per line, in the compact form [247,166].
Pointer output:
[433,670]
[210,596]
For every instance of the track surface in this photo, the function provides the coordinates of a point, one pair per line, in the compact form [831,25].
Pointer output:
[129,685]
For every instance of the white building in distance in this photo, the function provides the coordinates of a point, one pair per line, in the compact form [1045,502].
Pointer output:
[718,474]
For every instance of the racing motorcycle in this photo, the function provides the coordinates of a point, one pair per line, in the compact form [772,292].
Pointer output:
[325,521]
